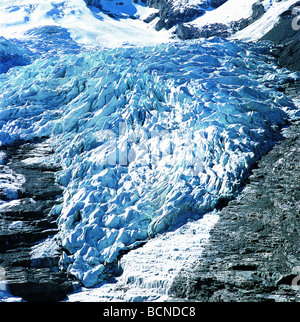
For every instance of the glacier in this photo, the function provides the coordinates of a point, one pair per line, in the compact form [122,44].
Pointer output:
[149,138]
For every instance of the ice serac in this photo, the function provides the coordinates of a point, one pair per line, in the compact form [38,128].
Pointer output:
[168,14]
[148,138]
[11,55]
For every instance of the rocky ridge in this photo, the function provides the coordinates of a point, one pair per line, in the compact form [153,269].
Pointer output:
[169,13]
[26,223]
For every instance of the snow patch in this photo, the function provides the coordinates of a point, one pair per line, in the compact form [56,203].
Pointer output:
[230,11]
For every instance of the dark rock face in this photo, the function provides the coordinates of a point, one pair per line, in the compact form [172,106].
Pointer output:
[254,249]
[25,223]
[186,31]
[170,16]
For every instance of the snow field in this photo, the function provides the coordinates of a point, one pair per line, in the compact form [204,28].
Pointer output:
[87,25]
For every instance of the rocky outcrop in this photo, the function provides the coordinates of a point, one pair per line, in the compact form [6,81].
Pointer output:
[25,222]
[170,15]
[254,249]
[187,31]
[180,13]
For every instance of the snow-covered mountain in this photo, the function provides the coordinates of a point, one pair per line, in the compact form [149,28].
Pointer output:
[86,24]
[151,131]
[113,22]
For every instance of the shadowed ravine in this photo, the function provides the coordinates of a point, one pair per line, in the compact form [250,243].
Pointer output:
[25,222]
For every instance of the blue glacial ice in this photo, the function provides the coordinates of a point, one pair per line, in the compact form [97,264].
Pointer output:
[12,55]
[148,137]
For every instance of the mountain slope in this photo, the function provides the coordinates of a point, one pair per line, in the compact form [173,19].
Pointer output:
[151,132]
[112,22]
